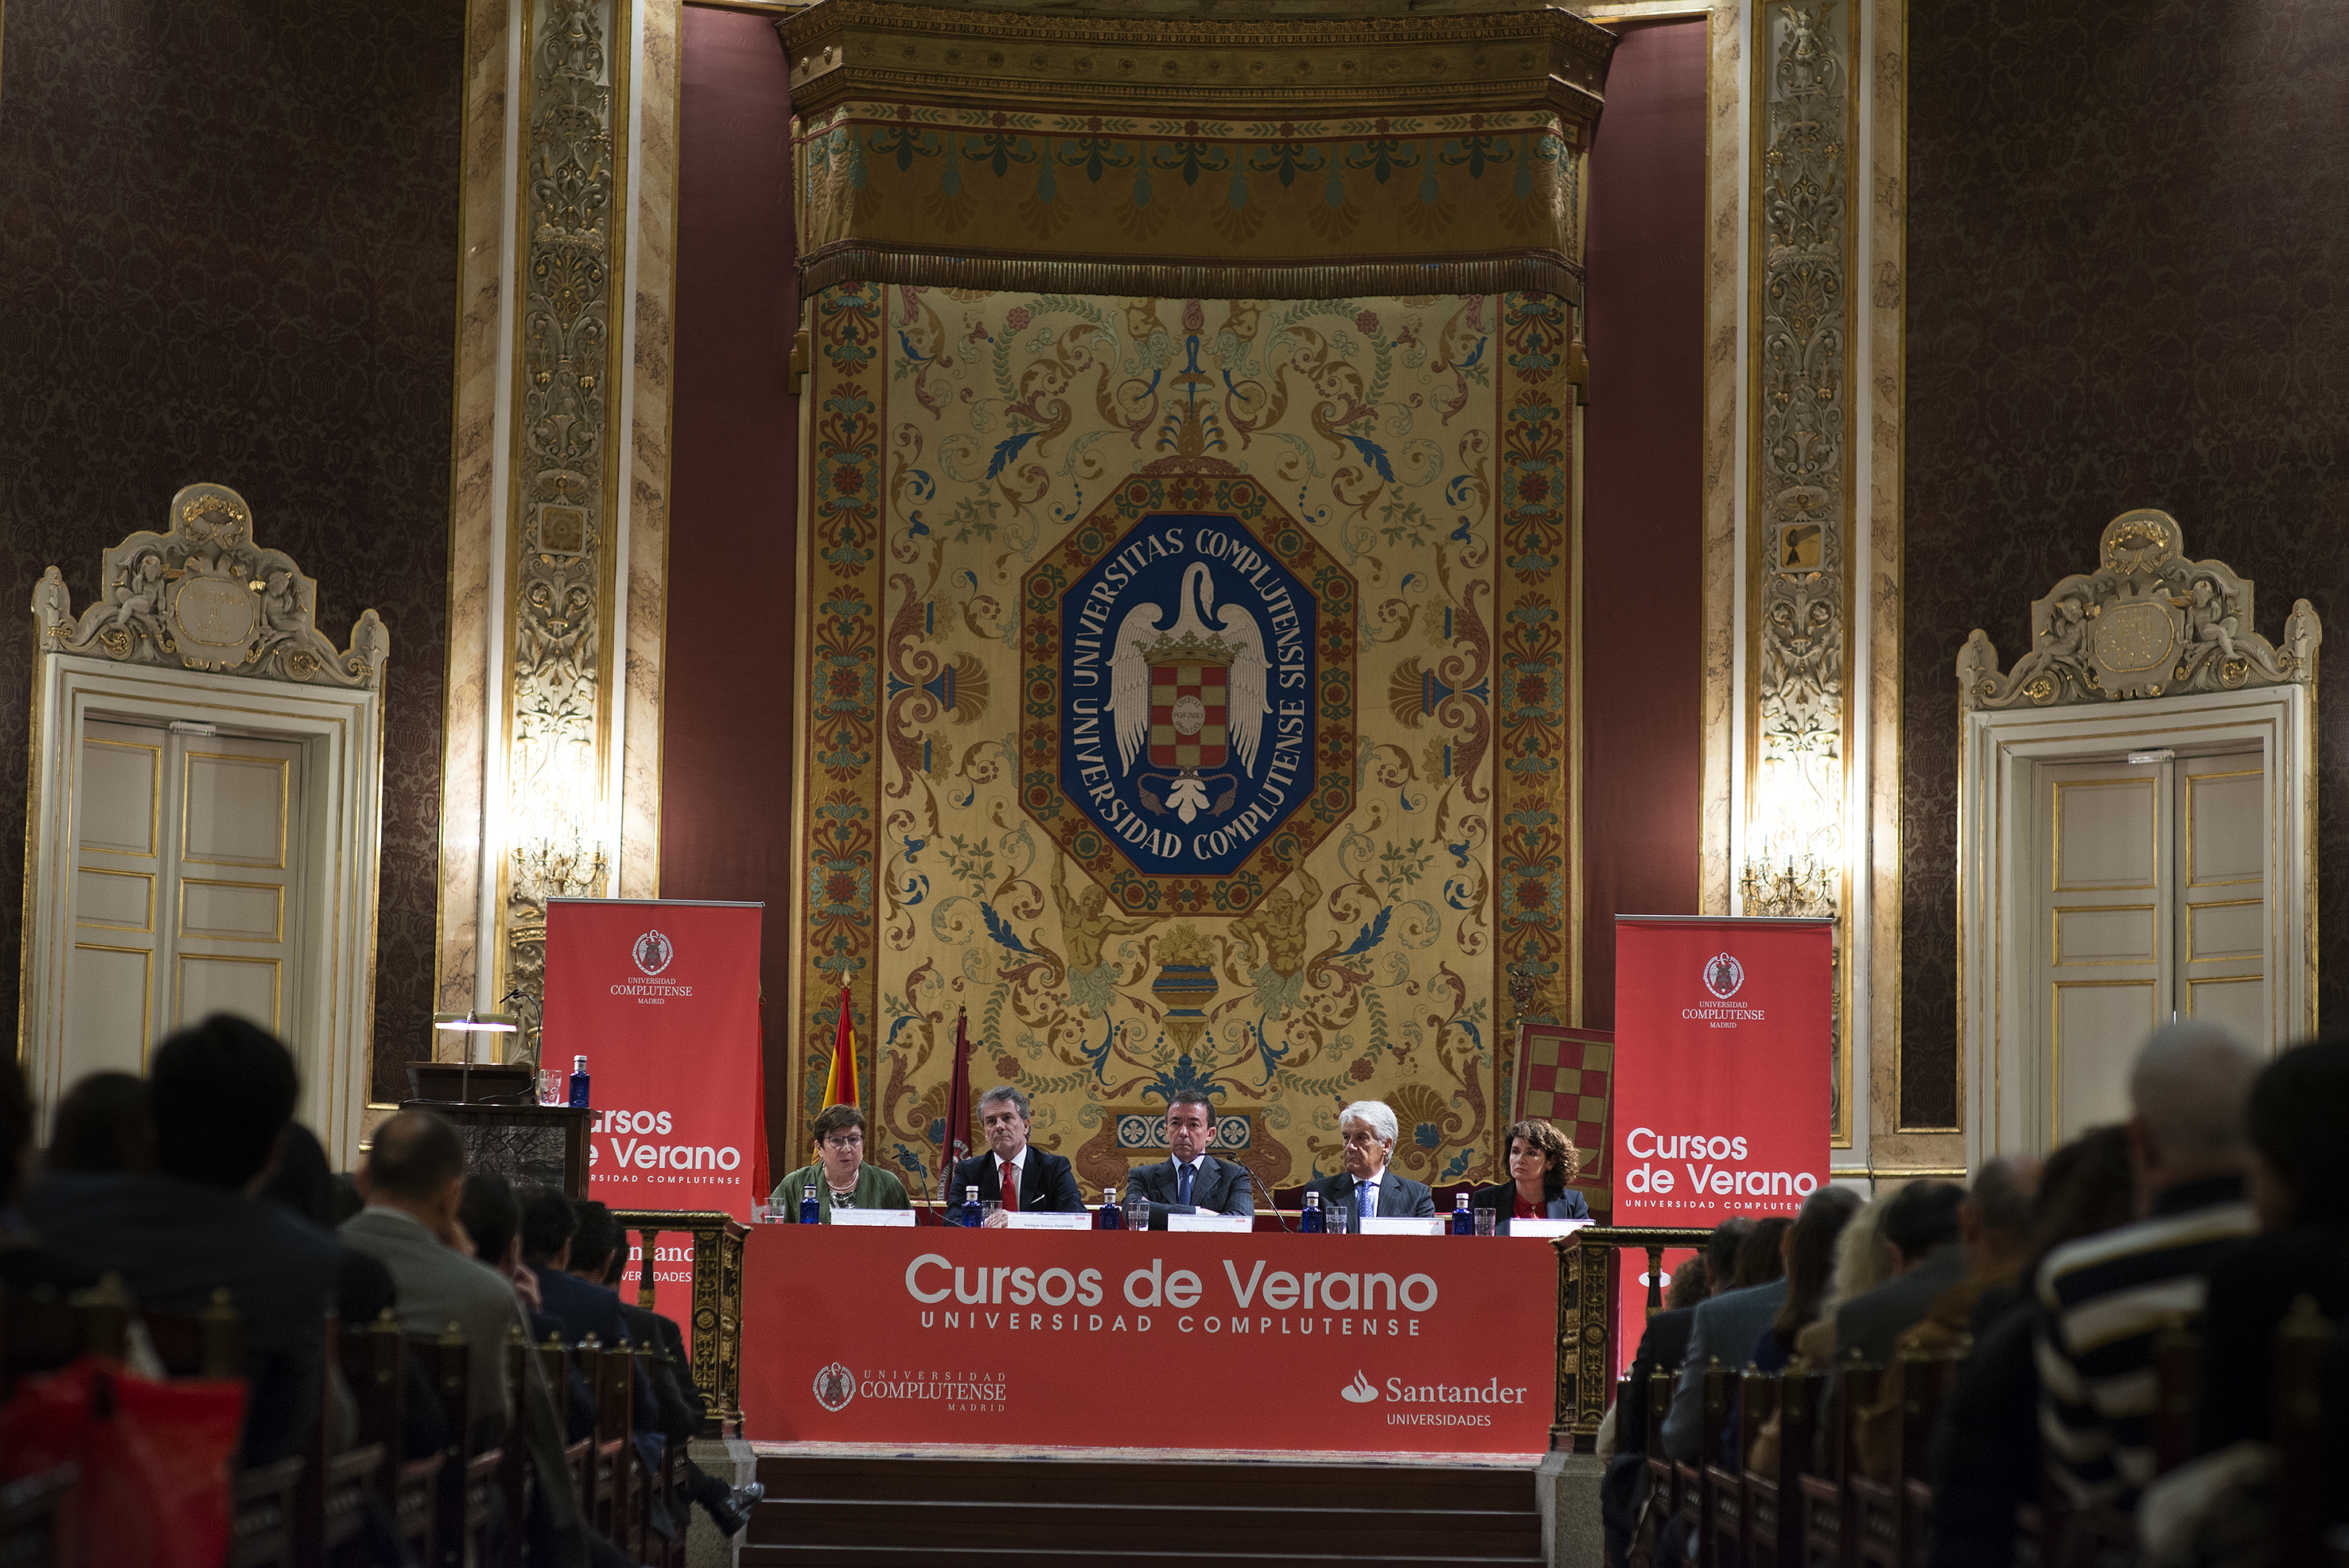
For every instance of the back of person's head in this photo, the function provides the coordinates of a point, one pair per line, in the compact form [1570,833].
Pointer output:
[597,1238]
[1762,1256]
[103,1125]
[1691,1283]
[489,1215]
[547,1223]
[1862,1260]
[1922,1216]
[414,1158]
[2188,1090]
[2085,1188]
[1810,1259]
[2001,1194]
[1720,1253]
[2299,1107]
[15,1129]
[304,1182]
[222,1095]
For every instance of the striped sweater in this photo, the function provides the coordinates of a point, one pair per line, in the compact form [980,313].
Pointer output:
[2106,1298]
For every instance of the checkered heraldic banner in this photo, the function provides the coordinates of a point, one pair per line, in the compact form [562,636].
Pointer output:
[1185,695]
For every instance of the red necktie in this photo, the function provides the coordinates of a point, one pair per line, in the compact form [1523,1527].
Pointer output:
[1010,1188]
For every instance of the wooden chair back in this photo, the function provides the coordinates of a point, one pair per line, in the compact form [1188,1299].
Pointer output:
[2307,1481]
[2177,1366]
[207,1343]
[330,1502]
[40,1332]
[611,1371]
[1774,1524]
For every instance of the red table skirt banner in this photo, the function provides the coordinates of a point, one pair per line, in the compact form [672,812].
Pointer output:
[1361,1343]
[662,997]
[1722,1062]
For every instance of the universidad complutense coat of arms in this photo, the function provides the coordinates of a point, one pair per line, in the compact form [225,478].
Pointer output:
[1188,733]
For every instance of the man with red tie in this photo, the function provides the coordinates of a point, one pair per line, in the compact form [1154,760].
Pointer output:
[1019,1177]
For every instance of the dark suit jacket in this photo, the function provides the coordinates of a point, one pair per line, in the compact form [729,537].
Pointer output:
[1502,1198]
[681,1412]
[174,1242]
[1662,1348]
[584,1309]
[1048,1184]
[1219,1187]
[1871,1321]
[1399,1198]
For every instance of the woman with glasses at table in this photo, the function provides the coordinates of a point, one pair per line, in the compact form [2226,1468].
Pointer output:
[842,1179]
[1542,1165]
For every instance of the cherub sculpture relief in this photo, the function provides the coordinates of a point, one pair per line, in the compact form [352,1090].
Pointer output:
[2060,647]
[1087,926]
[139,596]
[2208,617]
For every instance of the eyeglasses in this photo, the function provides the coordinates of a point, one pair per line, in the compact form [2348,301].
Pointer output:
[852,1140]
[1361,1137]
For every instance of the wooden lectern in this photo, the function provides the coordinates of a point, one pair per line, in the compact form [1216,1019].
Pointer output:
[505,1130]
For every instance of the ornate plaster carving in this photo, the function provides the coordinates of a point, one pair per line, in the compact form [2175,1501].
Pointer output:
[2147,622]
[204,595]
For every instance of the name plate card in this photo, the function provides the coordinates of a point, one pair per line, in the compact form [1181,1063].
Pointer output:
[872,1217]
[1025,1221]
[1396,1225]
[1210,1223]
[1546,1227]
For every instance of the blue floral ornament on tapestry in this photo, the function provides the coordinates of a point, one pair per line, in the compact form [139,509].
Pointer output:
[1189,726]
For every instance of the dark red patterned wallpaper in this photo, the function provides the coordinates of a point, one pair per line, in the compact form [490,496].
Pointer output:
[228,252]
[2128,286]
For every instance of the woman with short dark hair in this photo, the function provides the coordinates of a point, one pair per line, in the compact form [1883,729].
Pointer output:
[1542,1167]
[839,1175]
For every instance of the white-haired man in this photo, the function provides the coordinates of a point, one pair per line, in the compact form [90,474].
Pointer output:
[1366,1188]
[2107,1295]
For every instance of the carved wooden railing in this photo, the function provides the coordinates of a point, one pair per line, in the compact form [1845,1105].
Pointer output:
[1587,1262]
[715,1349]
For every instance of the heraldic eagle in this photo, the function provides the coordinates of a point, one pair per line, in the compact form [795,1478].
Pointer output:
[1143,629]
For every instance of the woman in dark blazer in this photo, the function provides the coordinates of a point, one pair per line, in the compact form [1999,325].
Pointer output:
[1541,1165]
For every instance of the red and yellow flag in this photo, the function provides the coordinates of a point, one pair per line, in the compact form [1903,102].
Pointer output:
[840,1083]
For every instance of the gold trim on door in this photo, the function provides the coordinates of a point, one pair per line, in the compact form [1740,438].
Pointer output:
[187,800]
[219,936]
[146,957]
[276,981]
[2193,947]
[2153,837]
[146,877]
[2056,931]
[154,797]
[2055,1043]
[2268,853]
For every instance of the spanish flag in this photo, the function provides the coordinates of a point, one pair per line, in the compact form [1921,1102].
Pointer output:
[840,1083]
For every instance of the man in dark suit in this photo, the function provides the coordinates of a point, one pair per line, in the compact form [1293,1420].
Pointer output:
[1920,1226]
[1192,1181]
[548,1225]
[223,1095]
[1664,1344]
[1366,1188]
[1039,1182]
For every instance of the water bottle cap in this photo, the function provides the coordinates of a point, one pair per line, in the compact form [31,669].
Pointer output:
[970,1193]
[811,1189]
[1313,1201]
[579,1063]
[1109,1195]
[1460,1200]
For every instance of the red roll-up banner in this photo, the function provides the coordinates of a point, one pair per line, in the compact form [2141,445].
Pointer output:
[661,996]
[1722,1062]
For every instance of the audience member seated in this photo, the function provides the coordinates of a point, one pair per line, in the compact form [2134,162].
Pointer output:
[2299,1182]
[1810,1252]
[1762,1256]
[223,1095]
[1920,1229]
[1983,1457]
[2106,1296]
[599,1254]
[549,1224]
[103,1125]
[1726,1329]
[25,1262]
[1862,1263]
[1664,1343]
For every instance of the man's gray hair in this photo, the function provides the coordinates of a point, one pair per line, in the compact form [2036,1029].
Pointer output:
[2003,1191]
[1373,1115]
[2190,1086]
[998,1095]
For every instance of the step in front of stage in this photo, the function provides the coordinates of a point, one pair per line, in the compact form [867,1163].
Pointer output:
[944,1506]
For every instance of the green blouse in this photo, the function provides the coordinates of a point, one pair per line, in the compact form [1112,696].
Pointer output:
[876,1188]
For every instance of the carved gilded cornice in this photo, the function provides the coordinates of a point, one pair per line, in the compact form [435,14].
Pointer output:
[1176,156]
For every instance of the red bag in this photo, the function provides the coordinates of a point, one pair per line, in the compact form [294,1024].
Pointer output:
[154,1459]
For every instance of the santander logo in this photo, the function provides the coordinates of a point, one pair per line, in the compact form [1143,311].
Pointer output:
[1359,1391]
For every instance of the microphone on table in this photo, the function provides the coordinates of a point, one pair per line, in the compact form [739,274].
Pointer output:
[1269,1201]
[952,1156]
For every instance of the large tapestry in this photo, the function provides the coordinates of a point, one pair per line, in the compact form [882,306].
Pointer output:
[1187,702]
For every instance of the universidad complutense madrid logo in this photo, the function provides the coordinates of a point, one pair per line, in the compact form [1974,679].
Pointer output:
[652,952]
[835,1386]
[1359,1391]
[1723,976]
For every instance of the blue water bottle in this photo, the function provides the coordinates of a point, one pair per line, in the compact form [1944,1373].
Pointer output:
[1308,1218]
[579,1082]
[1462,1223]
[1111,1217]
[973,1212]
[811,1213]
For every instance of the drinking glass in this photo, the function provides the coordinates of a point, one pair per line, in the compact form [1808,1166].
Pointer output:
[1337,1218]
[993,1210]
[1137,1213]
[554,1087]
[1486,1218]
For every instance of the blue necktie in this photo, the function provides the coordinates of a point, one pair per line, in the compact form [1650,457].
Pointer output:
[1364,1197]
[1183,1184]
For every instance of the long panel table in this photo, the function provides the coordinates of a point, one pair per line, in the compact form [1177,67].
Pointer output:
[1366,1343]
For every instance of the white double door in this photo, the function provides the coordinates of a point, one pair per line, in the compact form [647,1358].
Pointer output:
[2151,905]
[187,889]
